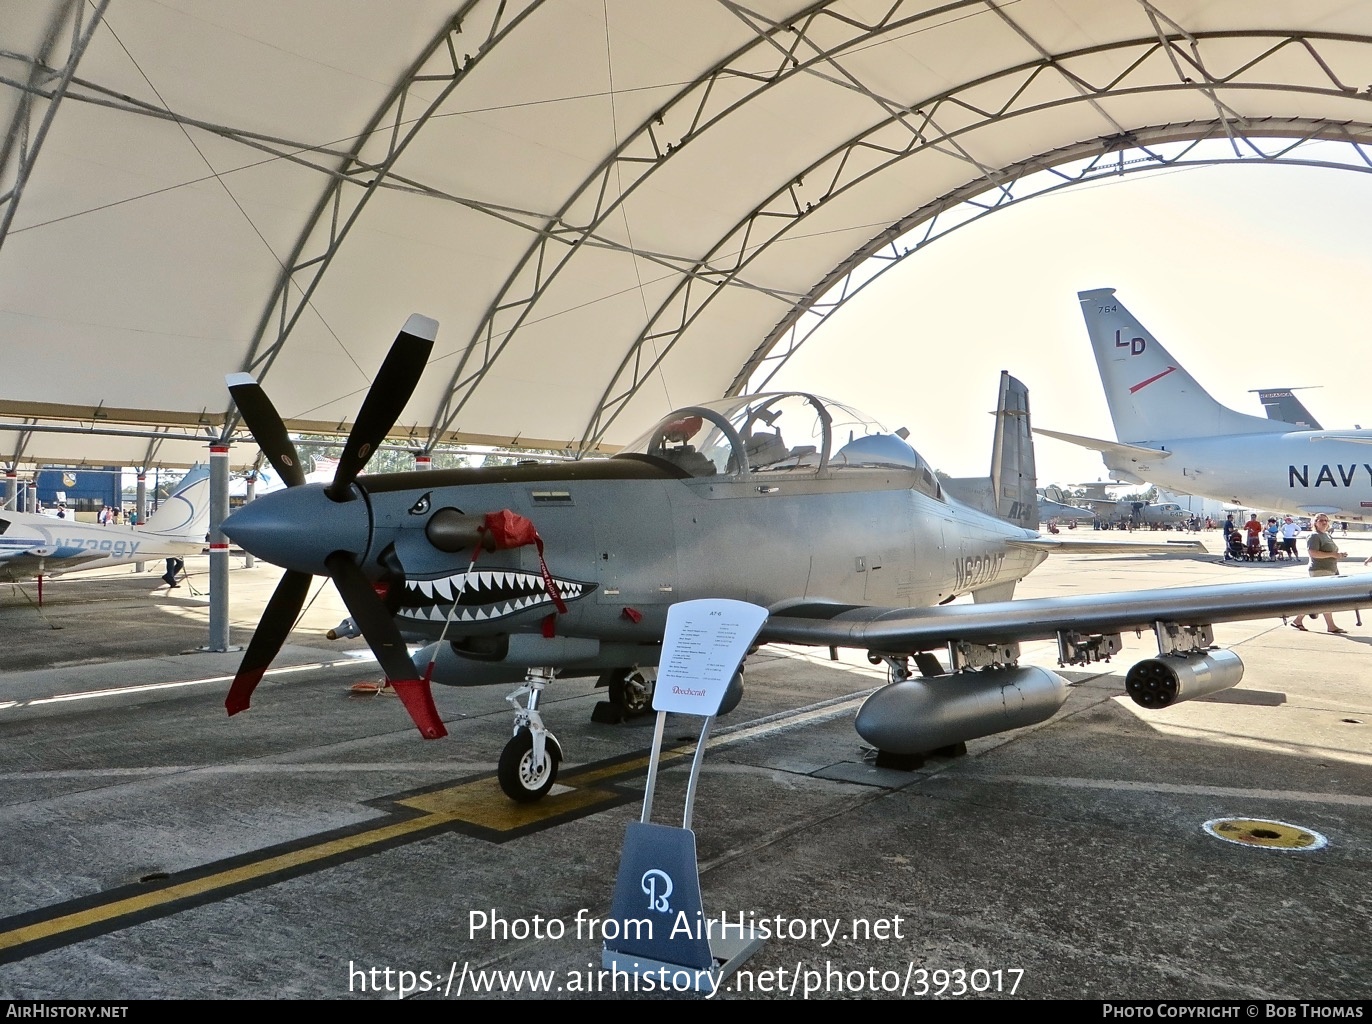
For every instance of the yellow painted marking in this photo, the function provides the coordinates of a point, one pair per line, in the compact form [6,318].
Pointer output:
[1273,834]
[478,802]
[195,887]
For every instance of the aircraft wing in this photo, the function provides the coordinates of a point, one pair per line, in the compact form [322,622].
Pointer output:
[906,630]
[1096,444]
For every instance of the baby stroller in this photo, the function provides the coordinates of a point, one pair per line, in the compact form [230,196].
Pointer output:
[1235,550]
[1253,552]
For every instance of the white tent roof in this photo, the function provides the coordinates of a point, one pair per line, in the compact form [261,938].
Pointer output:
[611,206]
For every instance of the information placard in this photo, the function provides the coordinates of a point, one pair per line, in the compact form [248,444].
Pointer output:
[703,647]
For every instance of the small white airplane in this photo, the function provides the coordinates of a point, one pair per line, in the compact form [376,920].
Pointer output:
[1172,433]
[34,545]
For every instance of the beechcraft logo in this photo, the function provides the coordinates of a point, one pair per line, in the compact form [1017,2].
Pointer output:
[657,886]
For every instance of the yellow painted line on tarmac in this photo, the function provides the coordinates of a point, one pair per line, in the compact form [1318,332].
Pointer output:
[475,807]
[208,883]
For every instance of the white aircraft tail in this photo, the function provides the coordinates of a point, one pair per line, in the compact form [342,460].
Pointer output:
[1150,394]
[185,515]
[1010,492]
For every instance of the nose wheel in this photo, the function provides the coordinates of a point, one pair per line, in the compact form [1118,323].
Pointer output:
[528,765]
[525,776]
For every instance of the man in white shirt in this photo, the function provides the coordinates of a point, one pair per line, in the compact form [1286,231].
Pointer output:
[1289,529]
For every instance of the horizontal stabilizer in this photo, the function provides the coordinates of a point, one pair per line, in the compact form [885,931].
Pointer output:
[1090,546]
[1355,436]
[1127,451]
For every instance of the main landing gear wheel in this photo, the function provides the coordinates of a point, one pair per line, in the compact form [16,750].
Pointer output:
[733,693]
[631,692]
[520,778]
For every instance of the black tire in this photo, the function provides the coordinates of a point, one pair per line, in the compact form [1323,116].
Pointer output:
[632,692]
[519,779]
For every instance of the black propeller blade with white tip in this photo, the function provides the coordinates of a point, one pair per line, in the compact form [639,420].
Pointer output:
[389,394]
[386,400]
[266,427]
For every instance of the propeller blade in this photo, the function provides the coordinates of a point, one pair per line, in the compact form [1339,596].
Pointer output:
[277,620]
[266,427]
[390,393]
[383,637]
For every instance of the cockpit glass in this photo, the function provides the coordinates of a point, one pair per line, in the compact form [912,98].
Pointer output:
[792,433]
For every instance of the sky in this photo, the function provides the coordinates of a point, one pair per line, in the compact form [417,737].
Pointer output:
[1252,276]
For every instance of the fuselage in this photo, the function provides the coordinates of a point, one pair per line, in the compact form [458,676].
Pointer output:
[624,541]
[61,545]
[774,499]
[1277,472]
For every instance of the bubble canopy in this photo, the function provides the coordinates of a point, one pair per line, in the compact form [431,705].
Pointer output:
[785,432]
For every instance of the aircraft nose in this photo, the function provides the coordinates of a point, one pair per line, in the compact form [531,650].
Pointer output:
[300,527]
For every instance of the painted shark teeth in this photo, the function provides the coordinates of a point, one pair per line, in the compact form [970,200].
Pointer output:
[482,595]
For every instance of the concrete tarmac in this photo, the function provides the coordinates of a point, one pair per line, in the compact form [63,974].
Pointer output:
[317,847]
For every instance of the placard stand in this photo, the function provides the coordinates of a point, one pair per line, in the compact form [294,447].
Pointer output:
[663,930]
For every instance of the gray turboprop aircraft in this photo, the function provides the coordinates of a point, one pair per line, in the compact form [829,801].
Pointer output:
[520,573]
[1143,513]
[1055,506]
[1172,433]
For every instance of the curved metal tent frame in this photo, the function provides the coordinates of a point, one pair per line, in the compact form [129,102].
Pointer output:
[1037,177]
[604,203]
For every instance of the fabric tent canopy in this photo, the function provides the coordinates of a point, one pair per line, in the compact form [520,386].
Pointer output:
[612,207]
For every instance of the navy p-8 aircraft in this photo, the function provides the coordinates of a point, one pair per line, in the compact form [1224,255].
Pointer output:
[518,574]
[1172,433]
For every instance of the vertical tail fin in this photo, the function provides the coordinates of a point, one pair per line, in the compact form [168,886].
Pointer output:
[1150,394]
[1009,493]
[1283,405]
[186,514]
[1012,457]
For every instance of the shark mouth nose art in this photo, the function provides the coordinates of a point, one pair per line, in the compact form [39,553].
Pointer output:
[483,595]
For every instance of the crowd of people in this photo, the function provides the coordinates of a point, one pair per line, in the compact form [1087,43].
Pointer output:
[1256,541]
[1276,541]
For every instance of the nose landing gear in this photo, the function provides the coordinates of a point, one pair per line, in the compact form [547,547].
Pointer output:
[528,764]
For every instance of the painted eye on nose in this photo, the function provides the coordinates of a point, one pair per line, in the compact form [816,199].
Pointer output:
[421,506]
